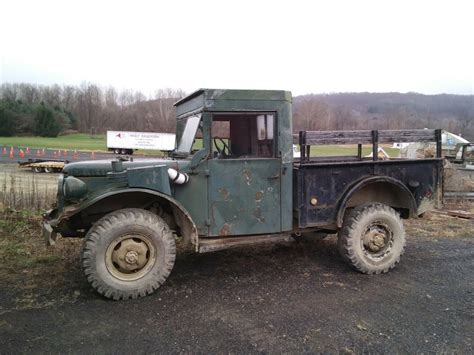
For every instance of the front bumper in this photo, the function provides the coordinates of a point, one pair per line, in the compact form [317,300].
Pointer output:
[49,234]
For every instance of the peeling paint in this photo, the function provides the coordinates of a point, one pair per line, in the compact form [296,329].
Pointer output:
[426,204]
[248,176]
[224,193]
[258,215]
[258,196]
[226,229]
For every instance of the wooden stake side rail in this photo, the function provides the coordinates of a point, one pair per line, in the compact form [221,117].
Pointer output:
[374,137]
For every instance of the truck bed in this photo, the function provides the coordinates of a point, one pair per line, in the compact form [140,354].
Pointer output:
[331,182]
[323,188]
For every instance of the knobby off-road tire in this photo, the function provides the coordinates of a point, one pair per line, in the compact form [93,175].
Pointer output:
[372,238]
[128,253]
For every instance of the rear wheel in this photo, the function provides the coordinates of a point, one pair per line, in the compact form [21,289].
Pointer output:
[128,253]
[38,169]
[372,238]
[116,151]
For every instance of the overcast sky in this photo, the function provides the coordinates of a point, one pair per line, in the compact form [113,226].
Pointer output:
[302,46]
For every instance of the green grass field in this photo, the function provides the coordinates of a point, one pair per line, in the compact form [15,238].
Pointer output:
[98,143]
[71,141]
[341,150]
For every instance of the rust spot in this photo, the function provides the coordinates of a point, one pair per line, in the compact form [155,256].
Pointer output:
[258,196]
[225,230]
[248,176]
[224,193]
[258,215]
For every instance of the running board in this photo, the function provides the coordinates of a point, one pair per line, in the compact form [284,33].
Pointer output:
[207,245]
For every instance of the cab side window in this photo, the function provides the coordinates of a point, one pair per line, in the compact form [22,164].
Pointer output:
[242,136]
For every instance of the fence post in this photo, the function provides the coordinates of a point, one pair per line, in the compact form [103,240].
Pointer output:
[438,138]
[375,145]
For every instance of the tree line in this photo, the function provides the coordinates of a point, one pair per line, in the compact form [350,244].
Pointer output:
[28,109]
[88,108]
[353,111]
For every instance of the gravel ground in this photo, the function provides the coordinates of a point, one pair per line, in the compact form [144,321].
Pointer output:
[296,297]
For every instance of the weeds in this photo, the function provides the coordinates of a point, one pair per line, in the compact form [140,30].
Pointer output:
[25,193]
[33,271]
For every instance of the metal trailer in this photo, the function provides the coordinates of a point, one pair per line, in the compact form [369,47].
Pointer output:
[44,165]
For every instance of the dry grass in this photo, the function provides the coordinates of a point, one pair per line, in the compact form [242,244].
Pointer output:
[439,225]
[36,274]
[25,193]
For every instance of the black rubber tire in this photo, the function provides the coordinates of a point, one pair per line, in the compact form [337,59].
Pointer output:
[124,151]
[116,151]
[350,238]
[108,230]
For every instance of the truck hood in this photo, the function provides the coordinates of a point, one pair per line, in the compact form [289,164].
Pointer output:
[102,167]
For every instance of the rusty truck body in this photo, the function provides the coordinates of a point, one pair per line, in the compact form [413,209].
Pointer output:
[232,180]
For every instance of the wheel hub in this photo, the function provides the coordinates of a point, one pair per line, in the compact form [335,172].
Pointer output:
[130,257]
[375,241]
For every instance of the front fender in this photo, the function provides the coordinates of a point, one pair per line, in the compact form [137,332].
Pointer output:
[118,199]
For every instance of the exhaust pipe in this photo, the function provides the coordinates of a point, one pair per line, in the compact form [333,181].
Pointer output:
[177,177]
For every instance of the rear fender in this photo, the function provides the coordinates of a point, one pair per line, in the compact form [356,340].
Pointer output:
[381,189]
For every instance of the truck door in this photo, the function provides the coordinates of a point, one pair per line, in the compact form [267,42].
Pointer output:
[244,175]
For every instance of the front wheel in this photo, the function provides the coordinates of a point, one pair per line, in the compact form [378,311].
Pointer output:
[128,253]
[372,238]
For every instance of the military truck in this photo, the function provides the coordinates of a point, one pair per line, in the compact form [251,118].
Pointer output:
[239,184]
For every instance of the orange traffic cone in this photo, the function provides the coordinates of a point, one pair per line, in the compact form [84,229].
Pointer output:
[92,155]
[74,155]
[54,153]
[27,150]
[4,151]
[22,153]
[11,153]
[44,152]
[65,152]
[38,153]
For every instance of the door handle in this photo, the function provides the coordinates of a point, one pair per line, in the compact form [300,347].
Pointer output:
[273,177]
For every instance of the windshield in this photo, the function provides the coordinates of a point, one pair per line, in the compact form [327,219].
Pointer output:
[186,132]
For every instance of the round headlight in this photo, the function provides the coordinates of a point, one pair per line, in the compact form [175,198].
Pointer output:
[74,188]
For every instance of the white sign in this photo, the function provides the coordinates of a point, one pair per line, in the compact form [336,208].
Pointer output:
[140,140]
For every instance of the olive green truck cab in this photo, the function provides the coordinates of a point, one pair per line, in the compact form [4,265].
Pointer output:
[232,180]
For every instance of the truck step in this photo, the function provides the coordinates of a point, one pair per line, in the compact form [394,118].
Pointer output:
[207,245]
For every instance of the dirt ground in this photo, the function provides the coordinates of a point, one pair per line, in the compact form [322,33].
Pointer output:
[295,297]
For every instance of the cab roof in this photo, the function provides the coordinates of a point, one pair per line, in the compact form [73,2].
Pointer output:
[231,100]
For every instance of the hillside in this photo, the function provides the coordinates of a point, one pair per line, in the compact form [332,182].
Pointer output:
[454,113]
[89,108]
